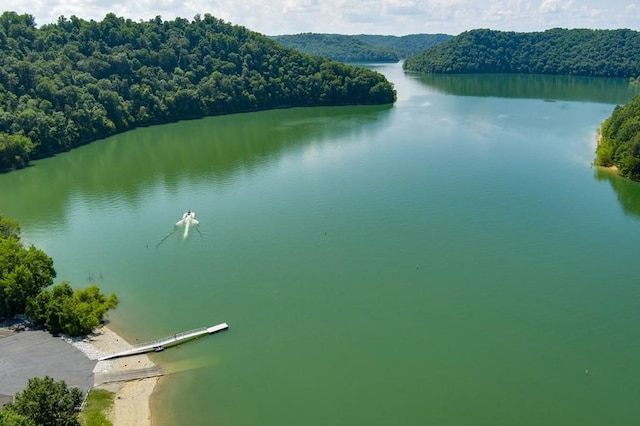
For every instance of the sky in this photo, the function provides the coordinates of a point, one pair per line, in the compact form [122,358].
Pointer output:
[386,17]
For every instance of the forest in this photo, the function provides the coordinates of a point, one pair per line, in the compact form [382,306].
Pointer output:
[576,52]
[619,140]
[75,81]
[361,48]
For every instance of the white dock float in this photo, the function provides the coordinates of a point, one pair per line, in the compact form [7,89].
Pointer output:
[217,328]
[172,340]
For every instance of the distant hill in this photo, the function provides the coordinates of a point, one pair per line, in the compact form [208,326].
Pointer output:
[405,46]
[579,52]
[361,48]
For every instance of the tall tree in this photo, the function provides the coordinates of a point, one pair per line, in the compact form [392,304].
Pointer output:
[23,274]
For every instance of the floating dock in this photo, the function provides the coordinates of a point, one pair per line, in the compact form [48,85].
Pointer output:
[174,339]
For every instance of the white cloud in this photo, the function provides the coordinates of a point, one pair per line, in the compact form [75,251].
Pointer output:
[404,7]
[555,6]
[397,17]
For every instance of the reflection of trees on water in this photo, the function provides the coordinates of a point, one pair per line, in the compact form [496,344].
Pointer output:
[213,149]
[526,86]
[628,192]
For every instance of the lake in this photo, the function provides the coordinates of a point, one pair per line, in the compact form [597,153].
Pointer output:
[452,259]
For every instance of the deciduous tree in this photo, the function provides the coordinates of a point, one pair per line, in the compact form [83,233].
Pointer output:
[44,401]
[63,310]
[24,272]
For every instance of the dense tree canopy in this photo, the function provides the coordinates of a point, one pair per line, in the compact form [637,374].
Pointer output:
[24,272]
[579,52]
[343,48]
[44,401]
[404,46]
[360,48]
[75,313]
[68,83]
[619,143]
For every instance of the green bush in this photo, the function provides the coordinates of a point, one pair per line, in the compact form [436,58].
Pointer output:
[43,402]
[75,313]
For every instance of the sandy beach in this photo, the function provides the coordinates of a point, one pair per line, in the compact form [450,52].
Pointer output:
[131,401]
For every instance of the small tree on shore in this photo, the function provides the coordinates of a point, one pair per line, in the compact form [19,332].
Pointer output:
[63,310]
[43,402]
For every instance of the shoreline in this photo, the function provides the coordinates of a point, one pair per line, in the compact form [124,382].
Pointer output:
[613,168]
[131,402]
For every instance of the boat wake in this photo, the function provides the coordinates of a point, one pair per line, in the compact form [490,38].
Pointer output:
[187,222]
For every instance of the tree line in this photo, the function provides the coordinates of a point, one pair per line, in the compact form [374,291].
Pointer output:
[619,140]
[26,288]
[577,52]
[407,45]
[362,47]
[68,83]
[339,47]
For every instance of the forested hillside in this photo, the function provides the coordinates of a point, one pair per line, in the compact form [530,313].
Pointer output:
[361,48]
[343,48]
[72,82]
[404,46]
[579,52]
[619,143]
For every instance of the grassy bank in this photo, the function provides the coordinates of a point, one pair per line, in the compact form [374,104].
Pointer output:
[99,403]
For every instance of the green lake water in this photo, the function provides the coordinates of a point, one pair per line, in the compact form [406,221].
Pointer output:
[453,259]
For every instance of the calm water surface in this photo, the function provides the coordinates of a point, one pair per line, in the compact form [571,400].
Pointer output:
[450,260]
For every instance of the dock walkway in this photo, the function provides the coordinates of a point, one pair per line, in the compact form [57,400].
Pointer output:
[160,344]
